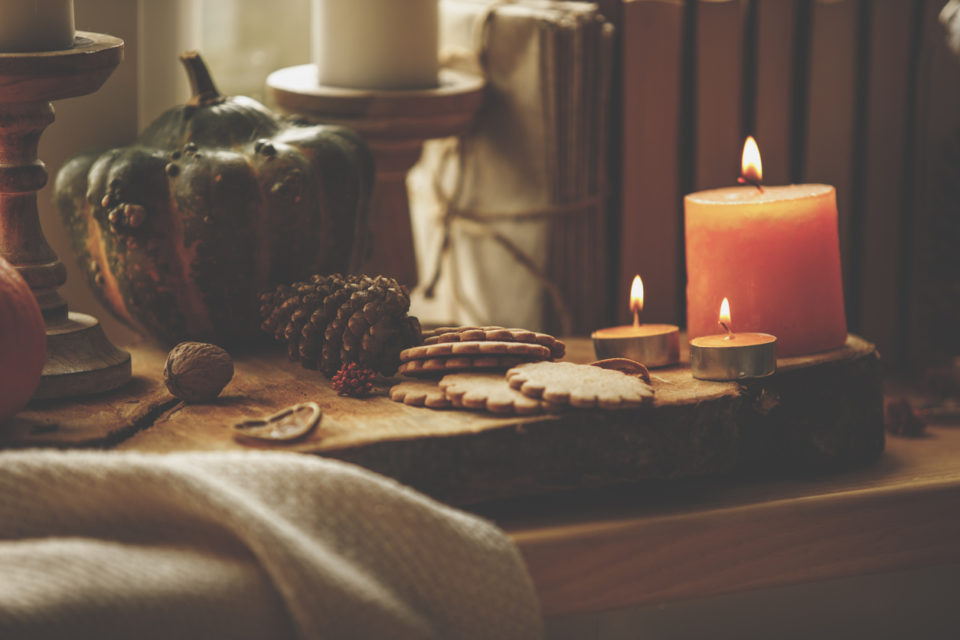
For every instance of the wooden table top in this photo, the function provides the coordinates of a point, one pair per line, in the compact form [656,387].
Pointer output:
[595,551]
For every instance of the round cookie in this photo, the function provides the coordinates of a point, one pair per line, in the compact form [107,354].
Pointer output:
[488,392]
[579,385]
[486,348]
[503,334]
[417,393]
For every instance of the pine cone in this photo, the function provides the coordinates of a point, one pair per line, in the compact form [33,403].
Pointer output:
[332,320]
[372,327]
[332,294]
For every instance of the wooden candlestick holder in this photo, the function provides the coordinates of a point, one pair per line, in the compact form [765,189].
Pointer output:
[394,124]
[80,358]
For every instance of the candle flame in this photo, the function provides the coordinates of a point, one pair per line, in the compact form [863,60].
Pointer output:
[725,317]
[636,299]
[750,166]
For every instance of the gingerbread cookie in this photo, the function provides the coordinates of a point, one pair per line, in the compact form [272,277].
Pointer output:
[492,348]
[579,385]
[487,392]
[438,366]
[467,334]
[417,393]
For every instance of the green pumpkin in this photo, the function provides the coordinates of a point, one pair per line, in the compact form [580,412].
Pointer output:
[218,200]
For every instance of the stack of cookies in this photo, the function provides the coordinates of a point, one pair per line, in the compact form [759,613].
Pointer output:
[510,371]
[456,349]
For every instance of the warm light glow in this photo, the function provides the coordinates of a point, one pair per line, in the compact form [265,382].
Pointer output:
[636,295]
[750,166]
[725,315]
[636,299]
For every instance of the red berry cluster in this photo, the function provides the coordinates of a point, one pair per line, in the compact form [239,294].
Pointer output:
[353,380]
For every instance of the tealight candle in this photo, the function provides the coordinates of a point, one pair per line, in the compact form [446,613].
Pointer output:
[655,345]
[36,25]
[732,356]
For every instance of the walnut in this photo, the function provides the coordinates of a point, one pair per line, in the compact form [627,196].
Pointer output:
[197,371]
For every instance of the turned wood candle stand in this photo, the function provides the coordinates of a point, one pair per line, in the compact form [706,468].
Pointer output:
[80,358]
[394,124]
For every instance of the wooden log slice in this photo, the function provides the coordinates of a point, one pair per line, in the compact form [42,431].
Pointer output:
[817,412]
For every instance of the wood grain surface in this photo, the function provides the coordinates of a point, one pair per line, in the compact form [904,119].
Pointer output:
[463,456]
[631,546]
[96,421]
[55,75]
[821,411]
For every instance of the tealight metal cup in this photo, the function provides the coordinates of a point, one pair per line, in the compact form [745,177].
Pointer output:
[657,350]
[731,361]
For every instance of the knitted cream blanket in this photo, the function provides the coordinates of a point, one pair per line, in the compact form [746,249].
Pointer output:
[244,545]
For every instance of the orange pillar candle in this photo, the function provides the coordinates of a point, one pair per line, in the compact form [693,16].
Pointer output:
[776,252]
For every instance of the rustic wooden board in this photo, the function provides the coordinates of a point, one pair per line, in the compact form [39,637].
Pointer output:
[812,415]
[95,421]
[466,456]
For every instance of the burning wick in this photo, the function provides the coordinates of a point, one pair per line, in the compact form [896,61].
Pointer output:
[724,319]
[751,169]
[743,180]
[636,299]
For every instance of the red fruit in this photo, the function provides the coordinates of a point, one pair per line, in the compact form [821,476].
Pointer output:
[23,342]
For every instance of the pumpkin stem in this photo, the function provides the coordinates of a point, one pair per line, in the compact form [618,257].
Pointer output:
[201,84]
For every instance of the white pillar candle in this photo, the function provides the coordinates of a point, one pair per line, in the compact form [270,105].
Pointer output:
[375,44]
[36,25]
